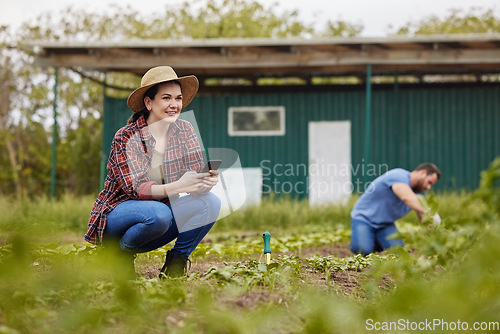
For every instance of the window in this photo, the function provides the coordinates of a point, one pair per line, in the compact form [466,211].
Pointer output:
[256,121]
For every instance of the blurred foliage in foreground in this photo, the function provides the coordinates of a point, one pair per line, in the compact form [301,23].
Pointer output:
[445,279]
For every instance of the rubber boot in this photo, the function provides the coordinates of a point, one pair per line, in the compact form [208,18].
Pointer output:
[175,265]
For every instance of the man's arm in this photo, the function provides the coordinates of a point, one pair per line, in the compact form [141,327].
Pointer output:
[404,192]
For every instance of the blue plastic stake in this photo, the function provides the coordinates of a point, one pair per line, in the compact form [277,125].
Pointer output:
[267,246]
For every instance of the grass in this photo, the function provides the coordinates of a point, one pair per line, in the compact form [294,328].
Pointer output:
[283,215]
[67,217]
[45,220]
[52,282]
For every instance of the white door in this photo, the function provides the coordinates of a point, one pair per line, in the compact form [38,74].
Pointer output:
[329,162]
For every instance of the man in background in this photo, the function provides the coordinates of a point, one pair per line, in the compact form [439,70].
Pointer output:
[388,198]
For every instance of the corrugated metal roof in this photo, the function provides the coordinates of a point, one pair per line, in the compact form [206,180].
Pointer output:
[291,56]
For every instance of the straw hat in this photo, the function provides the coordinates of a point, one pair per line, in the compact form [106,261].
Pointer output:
[156,75]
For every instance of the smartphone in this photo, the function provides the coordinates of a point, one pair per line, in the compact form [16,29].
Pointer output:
[212,165]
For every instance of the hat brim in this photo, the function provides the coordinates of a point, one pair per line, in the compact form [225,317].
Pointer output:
[189,88]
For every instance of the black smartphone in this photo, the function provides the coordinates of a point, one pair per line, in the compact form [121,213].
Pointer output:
[212,165]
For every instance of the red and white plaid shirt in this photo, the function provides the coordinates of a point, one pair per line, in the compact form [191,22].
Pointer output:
[129,161]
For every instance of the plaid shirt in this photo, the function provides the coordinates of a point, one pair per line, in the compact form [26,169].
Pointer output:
[128,164]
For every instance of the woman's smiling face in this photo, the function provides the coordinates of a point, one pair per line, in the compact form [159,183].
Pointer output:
[166,105]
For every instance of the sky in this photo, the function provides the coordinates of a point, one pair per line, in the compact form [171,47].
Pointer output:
[377,16]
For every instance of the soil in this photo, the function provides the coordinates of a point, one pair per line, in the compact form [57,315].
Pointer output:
[344,282]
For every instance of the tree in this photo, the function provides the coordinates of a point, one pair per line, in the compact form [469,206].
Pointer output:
[343,29]
[78,157]
[457,22]
[238,19]
[10,173]
[27,108]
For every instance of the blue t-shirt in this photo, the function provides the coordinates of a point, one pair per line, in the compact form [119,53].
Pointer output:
[378,205]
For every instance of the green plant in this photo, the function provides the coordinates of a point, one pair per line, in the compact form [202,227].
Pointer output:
[50,283]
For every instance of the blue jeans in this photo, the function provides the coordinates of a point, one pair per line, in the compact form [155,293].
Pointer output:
[141,226]
[366,239]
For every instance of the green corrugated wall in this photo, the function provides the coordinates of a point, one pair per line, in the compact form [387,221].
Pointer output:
[456,128]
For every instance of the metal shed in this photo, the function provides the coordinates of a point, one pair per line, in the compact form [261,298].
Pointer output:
[383,120]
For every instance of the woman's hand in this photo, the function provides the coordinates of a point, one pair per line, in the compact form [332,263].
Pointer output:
[210,179]
[191,181]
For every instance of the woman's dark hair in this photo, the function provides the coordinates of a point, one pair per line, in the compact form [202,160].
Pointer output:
[151,93]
